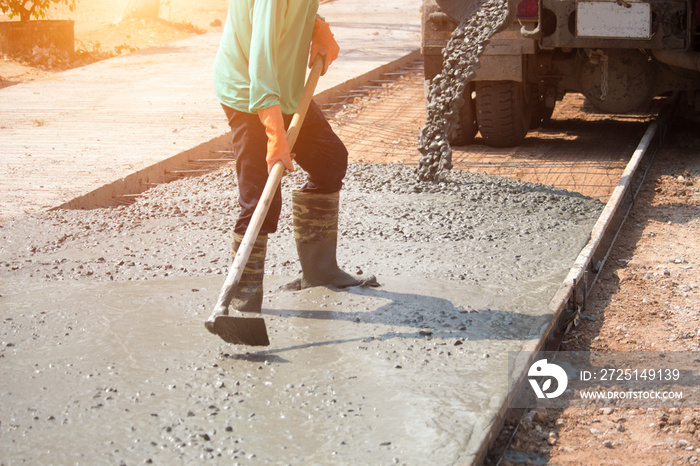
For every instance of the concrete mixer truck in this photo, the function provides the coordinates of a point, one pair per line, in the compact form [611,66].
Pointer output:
[619,54]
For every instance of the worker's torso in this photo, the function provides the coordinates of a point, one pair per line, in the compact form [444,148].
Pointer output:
[263,54]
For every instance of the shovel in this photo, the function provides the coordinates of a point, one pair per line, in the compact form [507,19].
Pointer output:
[251,330]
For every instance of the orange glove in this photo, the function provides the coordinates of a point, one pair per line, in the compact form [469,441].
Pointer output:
[277,147]
[323,43]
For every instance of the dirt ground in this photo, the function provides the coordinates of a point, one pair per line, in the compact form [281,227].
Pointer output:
[648,297]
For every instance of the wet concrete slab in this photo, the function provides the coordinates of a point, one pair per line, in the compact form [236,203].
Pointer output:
[126,372]
[104,356]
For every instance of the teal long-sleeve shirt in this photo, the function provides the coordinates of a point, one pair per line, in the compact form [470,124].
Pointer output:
[263,54]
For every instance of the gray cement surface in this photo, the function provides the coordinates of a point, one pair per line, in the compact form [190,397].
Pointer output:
[105,358]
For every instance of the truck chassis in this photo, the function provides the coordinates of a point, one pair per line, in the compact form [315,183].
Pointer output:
[619,54]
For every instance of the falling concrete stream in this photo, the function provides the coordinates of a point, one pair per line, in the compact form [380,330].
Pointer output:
[104,358]
[444,97]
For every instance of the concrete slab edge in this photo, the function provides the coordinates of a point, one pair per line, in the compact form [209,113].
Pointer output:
[590,260]
[108,195]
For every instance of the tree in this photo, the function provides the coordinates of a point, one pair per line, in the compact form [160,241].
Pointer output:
[27,9]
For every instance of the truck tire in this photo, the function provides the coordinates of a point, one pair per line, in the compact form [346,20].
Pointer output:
[466,128]
[502,112]
[541,114]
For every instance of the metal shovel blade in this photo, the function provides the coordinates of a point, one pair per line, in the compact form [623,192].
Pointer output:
[249,331]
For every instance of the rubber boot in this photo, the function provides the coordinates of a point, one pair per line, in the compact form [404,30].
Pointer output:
[315,219]
[249,292]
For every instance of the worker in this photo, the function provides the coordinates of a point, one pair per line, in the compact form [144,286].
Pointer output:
[259,75]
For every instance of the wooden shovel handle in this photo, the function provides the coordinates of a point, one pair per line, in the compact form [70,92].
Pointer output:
[273,180]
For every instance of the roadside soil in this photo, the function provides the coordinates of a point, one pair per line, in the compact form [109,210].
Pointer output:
[648,297]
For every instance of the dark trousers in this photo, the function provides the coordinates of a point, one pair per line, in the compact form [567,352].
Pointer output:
[318,151]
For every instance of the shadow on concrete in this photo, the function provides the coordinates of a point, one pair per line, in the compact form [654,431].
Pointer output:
[432,317]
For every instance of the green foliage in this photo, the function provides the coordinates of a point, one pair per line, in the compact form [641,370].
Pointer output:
[27,9]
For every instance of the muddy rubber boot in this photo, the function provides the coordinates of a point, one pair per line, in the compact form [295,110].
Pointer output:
[249,292]
[315,218]
[249,295]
